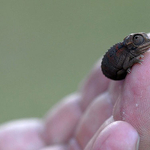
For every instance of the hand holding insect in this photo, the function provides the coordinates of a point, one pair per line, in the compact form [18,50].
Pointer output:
[102,114]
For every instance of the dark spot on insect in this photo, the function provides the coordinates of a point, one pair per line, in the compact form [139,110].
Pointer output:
[118,60]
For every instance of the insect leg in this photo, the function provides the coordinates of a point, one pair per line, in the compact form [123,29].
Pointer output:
[129,62]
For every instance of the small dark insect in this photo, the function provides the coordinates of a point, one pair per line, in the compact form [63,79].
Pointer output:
[119,59]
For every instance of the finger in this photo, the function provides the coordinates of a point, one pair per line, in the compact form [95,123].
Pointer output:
[133,103]
[98,111]
[23,134]
[61,121]
[93,85]
[78,143]
[116,136]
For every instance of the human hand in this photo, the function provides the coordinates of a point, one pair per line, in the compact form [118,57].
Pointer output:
[103,114]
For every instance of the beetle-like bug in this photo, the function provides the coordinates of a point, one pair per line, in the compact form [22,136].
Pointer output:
[118,60]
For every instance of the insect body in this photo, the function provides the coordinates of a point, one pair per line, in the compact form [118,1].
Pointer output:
[118,60]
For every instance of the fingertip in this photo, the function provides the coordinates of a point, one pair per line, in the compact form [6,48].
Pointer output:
[22,134]
[60,122]
[94,84]
[97,113]
[118,135]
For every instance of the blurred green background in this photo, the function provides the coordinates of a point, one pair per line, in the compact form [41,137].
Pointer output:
[47,47]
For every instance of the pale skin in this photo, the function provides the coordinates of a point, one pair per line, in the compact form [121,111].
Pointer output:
[103,114]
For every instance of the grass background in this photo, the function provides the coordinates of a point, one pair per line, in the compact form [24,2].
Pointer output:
[47,47]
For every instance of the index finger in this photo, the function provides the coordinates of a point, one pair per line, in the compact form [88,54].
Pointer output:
[133,101]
